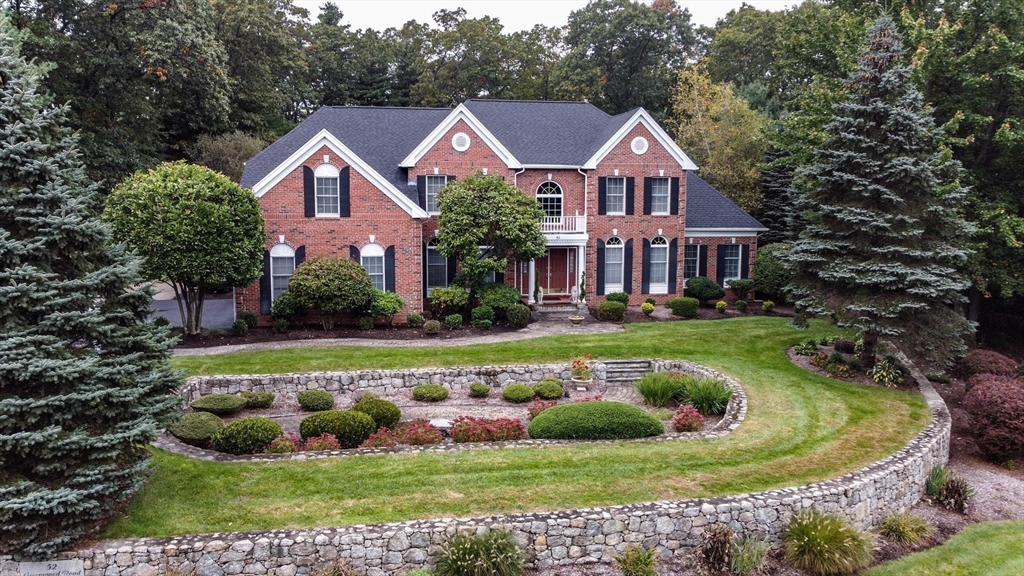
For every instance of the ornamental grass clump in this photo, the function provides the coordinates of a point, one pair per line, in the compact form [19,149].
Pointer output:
[636,561]
[659,389]
[708,395]
[220,404]
[749,555]
[905,528]
[826,544]
[715,551]
[246,436]
[492,554]
[196,428]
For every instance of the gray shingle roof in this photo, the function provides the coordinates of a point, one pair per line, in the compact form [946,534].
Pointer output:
[708,208]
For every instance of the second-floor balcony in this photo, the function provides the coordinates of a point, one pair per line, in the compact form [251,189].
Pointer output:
[564,224]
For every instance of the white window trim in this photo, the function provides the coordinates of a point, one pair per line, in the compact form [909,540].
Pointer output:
[437,207]
[375,251]
[621,247]
[280,251]
[739,262]
[560,196]
[609,211]
[325,171]
[696,261]
[660,287]
[432,246]
[668,196]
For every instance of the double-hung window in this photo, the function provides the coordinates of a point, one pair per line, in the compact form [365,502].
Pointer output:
[615,195]
[282,264]
[549,195]
[434,185]
[658,266]
[437,267]
[659,195]
[691,261]
[372,258]
[327,200]
[613,261]
[731,259]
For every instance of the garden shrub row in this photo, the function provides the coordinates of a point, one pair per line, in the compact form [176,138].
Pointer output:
[594,421]
[414,433]
[246,436]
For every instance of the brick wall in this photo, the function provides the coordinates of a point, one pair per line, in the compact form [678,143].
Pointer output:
[712,249]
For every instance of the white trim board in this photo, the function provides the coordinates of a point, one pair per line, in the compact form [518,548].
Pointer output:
[325,138]
[722,232]
[461,113]
[641,117]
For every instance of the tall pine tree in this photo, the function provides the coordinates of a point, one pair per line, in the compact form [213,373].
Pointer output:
[84,379]
[879,250]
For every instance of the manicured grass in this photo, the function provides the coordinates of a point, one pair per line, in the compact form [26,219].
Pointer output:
[987,549]
[799,428]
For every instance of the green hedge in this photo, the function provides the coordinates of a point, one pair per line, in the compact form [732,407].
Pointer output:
[196,428]
[351,428]
[517,393]
[611,311]
[548,389]
[246,436]
[258,399]
[219,403]
[429,393]
[316,400]
[594,421]
[385,414]
[685,307]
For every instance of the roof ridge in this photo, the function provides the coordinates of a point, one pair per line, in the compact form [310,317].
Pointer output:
[339,107]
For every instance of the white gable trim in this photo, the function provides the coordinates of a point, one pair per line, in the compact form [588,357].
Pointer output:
[461,113]
[722,232]
[325,138]
[641,117]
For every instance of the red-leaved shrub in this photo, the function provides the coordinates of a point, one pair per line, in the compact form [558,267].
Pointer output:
[382,438]
[472,429]
[996,404]
[325,441]
[285,444]
[687,419]
[539,406]
[420,433]
[987,362]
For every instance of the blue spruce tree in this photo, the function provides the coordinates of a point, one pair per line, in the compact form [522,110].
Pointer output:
[882,244]
[84,379]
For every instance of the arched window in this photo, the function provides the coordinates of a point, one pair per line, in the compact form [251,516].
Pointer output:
[549,195]
[613,265]
[282,264]
[372,258]
[437,267]
[658,266]
[327,201]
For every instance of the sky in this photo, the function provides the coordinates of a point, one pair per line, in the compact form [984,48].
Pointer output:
[514,15]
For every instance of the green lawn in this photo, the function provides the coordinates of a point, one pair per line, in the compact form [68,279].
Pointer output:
[799,428]
[987,549]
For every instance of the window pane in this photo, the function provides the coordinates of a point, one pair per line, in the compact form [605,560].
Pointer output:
[281,268]
[659,196]
[552,205]
[437,269]
[434,185]
[615,195]
[659,264]
[327,196]
[690,261]
[375,267]
[613,266]
[732,261]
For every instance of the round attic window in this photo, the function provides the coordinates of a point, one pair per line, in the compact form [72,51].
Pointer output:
[639,145]
[460,142]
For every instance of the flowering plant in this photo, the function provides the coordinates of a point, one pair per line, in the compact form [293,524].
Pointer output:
[581,367]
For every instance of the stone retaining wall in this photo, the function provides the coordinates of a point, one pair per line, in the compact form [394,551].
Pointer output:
[567,537]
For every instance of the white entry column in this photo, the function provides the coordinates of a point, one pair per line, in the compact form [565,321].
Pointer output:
[532,282]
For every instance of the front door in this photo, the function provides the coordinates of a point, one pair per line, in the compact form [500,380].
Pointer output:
[553,271]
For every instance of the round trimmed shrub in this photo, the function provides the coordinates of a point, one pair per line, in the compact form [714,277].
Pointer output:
[196,428]
[453,321]
[414,319]
[280,326]
[685,307]
[595,421]
[721,306]
[987,362]
[246,436]
[385,414]
[703,288]
[480,314]
[365,323]
[826,544]
[741,305]
[996,405]
[239,328]
[351,428]
[258,400]
[429,393]
[218,403]
[618,297]
[611,311]
[548,389]
[518,316]
[517,393]
[647,308]
[316,400]
[479,390]
[287,309]
[432,327]
[249,317]
[687,419]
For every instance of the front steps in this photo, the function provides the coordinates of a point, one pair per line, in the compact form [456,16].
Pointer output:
[625,372]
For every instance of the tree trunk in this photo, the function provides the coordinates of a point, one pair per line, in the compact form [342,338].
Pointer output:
[867,354]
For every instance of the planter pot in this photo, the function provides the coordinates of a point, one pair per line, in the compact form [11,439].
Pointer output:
[576,320]
[582,384]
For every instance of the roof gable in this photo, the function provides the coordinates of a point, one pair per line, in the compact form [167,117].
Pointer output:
[640,116]
[461,112]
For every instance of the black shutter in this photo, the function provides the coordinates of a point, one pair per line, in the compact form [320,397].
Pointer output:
[389,269]
[674,196]
[602,200]
[702,260]
[451,178]
[648,182]
[630,195]
[424,263]
[421,191]
[308,192]
[645,268]
[600,267]
[720,265]
[627,268]
[265,288]
[300,255]
[344,203]
[499,277]
[452,264]
[744,260]
[353,253]
[673,264]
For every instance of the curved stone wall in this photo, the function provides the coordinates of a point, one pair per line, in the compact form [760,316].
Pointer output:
[565,537]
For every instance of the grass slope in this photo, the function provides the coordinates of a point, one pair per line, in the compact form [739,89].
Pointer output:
[987,549]
[800,428]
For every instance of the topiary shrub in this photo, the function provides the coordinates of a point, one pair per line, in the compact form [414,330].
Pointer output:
[453,321]
[218,403]
[721,306]
[432,327]
[703,288]
[996,406]
[595,421]
[740,288]
[825,544]
[611,311]
[246,436]
[517,393]
[684,307]
[316,400]
[618,297]
[196,428]
[330,285]
[429,393]
[479,390]
[987,362]
[548,389]
[258,400]
[741,305]
[249,317]
[687,419]
[385,414]
[414,320]
[518,316]
[480,314]
[647,308]
[351,428]
[493,554]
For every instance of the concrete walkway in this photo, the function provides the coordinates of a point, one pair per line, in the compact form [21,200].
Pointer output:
[535,330]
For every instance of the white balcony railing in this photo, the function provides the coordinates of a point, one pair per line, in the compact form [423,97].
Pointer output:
[564,224]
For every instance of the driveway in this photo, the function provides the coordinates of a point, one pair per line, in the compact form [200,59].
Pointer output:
[218,310]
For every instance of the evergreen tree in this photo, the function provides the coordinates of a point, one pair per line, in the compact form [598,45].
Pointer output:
[776,212]
[881,205]
[84,379]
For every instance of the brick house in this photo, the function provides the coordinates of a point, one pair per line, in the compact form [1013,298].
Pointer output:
[623,204]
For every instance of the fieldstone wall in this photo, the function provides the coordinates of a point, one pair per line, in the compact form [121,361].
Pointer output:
[567,537]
